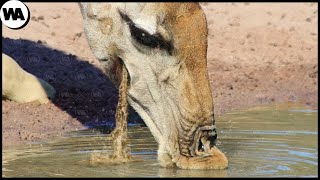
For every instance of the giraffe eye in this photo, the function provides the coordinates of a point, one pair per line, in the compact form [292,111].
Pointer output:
[145,38]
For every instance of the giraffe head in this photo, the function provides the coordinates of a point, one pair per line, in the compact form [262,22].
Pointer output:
[164,48]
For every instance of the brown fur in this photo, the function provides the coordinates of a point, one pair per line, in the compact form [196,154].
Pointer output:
[191,43]
[217,160]
[187,22]
[186,103]
[105,25]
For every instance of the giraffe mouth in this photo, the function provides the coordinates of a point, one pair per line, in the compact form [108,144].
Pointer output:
[200,143]
[205,143]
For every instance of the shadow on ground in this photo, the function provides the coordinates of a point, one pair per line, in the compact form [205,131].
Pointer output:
[83,90]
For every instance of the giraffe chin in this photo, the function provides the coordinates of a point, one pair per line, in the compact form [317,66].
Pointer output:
[216,160]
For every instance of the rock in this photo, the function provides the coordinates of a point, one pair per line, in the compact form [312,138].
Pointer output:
[21,86]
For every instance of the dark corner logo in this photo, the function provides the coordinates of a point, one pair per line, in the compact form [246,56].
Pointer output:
[14,14]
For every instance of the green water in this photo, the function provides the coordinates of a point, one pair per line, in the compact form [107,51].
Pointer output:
[278,140]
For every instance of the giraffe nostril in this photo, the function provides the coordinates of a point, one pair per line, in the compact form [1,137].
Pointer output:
[212,137]
[201,146]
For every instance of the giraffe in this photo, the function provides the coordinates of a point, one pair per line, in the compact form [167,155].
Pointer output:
[161,51]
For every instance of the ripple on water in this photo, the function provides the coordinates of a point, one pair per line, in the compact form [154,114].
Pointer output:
[261,141]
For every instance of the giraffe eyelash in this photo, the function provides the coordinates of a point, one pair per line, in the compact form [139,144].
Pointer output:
[145,38]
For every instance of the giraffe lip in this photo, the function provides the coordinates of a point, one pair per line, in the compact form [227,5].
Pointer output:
[204,146]
[203,139]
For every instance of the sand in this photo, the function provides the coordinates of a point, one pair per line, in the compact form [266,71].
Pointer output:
[258,53]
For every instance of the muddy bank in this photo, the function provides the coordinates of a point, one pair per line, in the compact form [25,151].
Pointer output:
[257,54]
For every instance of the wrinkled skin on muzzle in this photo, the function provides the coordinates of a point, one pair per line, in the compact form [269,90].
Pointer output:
[164,48]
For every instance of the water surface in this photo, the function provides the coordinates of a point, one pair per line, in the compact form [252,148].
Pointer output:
[278,140]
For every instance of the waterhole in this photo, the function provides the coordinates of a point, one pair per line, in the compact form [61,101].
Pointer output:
[277,140]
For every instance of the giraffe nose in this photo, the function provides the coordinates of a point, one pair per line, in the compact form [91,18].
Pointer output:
[212,137]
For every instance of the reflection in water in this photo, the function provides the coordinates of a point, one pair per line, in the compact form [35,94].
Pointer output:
[262,141]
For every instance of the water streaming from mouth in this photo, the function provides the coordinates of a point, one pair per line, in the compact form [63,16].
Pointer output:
[278,140]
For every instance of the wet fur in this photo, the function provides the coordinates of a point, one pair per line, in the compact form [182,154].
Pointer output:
[119,134]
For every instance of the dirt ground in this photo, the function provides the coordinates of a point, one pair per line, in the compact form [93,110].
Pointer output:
[258,53]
